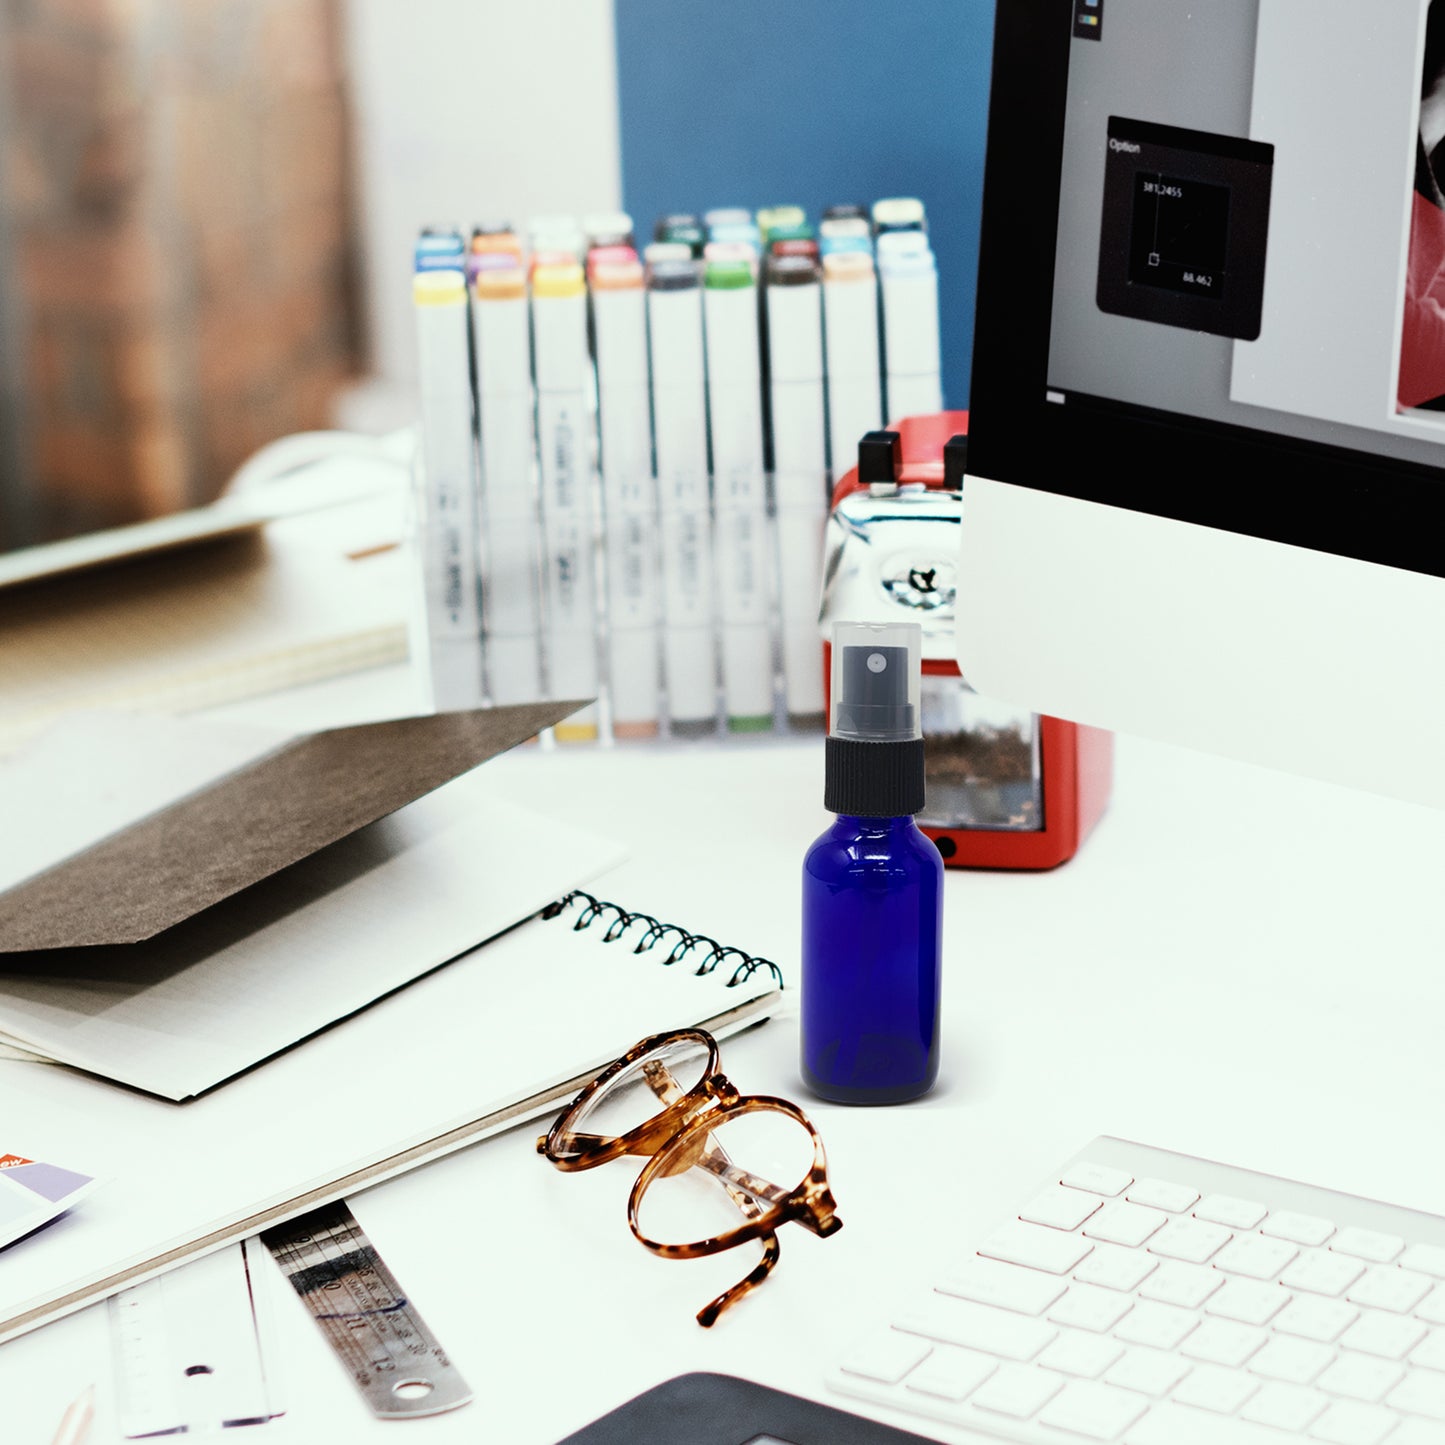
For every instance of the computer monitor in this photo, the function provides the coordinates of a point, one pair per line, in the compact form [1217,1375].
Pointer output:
[1205,499]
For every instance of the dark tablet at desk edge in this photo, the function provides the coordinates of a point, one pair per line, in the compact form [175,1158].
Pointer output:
[708,1409]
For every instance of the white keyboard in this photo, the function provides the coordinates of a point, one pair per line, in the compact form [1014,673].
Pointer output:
[1154,1299]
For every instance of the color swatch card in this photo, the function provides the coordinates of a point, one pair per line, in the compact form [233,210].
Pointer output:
[32,1194]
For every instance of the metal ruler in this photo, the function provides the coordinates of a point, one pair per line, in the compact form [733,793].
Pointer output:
[382,1342]
[190,1347]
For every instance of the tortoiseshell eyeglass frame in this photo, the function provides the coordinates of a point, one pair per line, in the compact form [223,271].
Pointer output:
[679,1137]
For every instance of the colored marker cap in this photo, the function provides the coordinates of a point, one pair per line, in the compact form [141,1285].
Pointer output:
[557,279]
[799,232]
[772,218]
[836,245]
[844,226]
[902,243]
[505,242]
[607,227]
[439,252]
[793,271]
[672,276]
[847,266]
[728,275]
[671,221]
[730,251]
[601,255]
[899,213]
[552,256]
[693,236]
[743,232]
[439,288]
[501,283]
[622,273]
[727,216]
[798,247]
[846,212]
[668,251]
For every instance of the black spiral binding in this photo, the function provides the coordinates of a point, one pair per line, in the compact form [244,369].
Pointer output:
[686,943]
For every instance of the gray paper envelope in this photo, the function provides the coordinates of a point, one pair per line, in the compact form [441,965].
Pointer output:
[253,822]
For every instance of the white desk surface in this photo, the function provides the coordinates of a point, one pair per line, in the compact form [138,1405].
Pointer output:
[1238,965]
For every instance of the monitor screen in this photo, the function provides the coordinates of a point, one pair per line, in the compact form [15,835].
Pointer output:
[1213,265]
[1206,470]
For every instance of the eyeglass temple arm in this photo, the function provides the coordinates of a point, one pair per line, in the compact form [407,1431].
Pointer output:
[708,1314]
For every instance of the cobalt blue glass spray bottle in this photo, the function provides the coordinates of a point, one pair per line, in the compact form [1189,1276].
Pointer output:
[872,884]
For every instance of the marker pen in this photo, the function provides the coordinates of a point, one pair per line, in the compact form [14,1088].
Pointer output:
[739,232]
[740,509]
[846,212]
[556,232]
[670,220]
[771,218]
[562,370]
[908,282]
[679,424]
[447,500]
[629,497]
[801,234]
[850,335]
[510,556]
[800,472]
[667,251]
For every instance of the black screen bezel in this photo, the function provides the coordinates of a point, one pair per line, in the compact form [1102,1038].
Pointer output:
[1304,493]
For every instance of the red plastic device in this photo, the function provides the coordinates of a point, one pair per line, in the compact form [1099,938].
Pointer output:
[1076,762]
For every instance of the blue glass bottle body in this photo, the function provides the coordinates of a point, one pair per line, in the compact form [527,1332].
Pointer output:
[872,961]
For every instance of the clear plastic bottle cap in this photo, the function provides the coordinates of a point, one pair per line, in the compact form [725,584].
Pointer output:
[875,684]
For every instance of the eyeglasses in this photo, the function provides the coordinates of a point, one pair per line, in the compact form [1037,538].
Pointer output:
[667,1100]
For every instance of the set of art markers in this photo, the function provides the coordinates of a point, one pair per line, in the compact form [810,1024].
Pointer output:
[627,456]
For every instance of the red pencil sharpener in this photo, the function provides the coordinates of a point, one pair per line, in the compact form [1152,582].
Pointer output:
[1006,788]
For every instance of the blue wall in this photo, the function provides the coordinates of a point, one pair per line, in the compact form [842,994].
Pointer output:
[763,102]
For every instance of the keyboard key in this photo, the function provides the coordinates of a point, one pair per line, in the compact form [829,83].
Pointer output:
[1296,1362]
[1212,1387]
[1297,1228]
[1286,1407]
[1162,1326]
[1160,1194]
[1097,1179]
[1076,1352]
[1366,1244]
[1060,1208]
[1088,1408]
[1254,1257]
[1416,1432]
[1126,1224]
[1430,1353]
[1248,1301]
[1390,1289]
[1424,1258]
[1320,1272]
[1189,1240]
[1346,1423]
[1171,1424]
[886,1356]
[1087,1307]
[1421,1392]
[1388,1336]
[1017,1390]
[1227,1210]
[951,1374]
[977,1327]
[1361,1378]
[1432,1307]
[1223,1342]
[1036,1247]
[986,1282]
[1116,1268]
[1186,1285]
[1150,1372]
[1315,1319]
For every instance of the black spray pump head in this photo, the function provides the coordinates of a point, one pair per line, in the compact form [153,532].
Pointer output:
[874,702]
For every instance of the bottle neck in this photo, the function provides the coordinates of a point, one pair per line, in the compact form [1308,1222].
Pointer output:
[876,827]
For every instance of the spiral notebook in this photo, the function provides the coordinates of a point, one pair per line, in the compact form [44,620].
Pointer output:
[500,1036]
